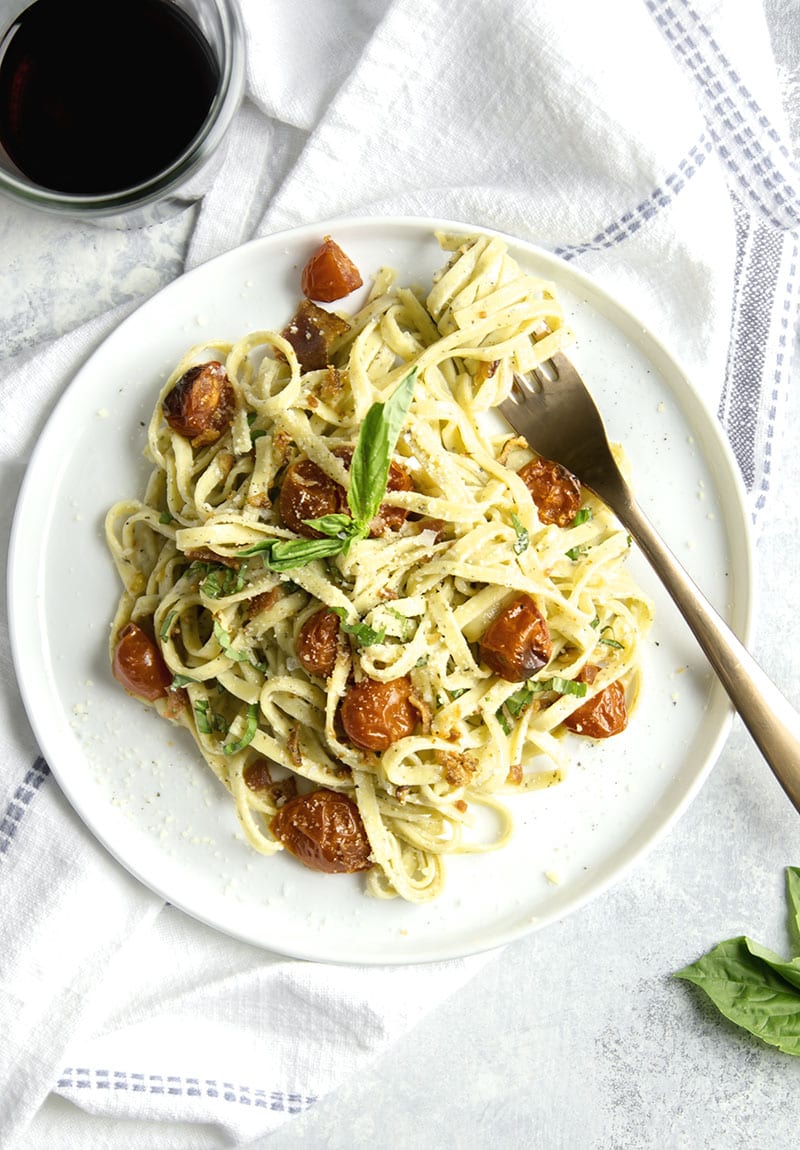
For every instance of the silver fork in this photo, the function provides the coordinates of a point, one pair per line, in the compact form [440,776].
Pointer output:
[553,409]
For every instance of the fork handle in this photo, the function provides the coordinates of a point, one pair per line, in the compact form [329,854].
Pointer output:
[771,720]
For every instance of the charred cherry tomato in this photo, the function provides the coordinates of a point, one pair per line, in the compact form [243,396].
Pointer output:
[324,830]
[329,274]
[517,643]
[312,331]
[317,643]
[399,479]
[375,714]
[139,665]
[308,493]
[201,404]
[555,491]
[602,716]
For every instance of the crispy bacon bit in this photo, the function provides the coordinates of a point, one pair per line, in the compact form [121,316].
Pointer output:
[333,383]
[263,601]
[514,776]
[206,555]
[458,767]
[293,747]
[281,442]
[260,499]
[435,525]
[486,369]
[312,332]
[515,443]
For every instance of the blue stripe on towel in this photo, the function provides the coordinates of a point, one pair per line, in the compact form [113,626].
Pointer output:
[19,805]
[177,1086]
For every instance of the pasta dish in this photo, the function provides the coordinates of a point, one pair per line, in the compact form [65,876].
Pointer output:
[378,613]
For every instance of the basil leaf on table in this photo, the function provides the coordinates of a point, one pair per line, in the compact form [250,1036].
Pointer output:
[754,987]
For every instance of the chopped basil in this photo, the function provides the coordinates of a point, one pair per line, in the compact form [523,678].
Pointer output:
[361,632]
[179,681]
[583,516]
[515,704]
[166,626]
[207,720]
[220,581]
[522,540]
[165,517]
[224,640]
[250,730]
[610,641]
[575,553]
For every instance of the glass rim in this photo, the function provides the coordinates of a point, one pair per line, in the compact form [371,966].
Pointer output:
[223,107]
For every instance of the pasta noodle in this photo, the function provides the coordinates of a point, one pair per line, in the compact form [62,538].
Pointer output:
[412,599]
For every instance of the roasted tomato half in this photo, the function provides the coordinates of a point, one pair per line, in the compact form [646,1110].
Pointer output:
[323,829]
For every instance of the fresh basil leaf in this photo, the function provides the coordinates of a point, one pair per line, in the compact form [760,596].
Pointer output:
[256,548]
[286,554]
[745,983]
[336,526]
[522,540]
[793,901]
[250,730]
[583,516]
[377,438]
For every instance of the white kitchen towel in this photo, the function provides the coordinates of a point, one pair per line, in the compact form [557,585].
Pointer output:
[642,140]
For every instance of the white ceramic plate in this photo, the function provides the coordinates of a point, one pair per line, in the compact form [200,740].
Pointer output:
[140,785]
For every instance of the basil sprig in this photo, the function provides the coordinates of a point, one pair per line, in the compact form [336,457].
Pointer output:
[754,987]
[369,474]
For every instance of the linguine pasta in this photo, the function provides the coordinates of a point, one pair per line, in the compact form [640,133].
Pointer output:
[197,559]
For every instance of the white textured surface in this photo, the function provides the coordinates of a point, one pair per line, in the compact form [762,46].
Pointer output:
[578,1036]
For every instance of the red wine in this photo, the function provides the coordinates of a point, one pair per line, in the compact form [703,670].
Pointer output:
[100,95]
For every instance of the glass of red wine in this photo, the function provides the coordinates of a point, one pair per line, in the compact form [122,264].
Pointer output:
[115,110]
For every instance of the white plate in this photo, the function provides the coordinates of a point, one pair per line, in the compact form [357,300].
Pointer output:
[140,785]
